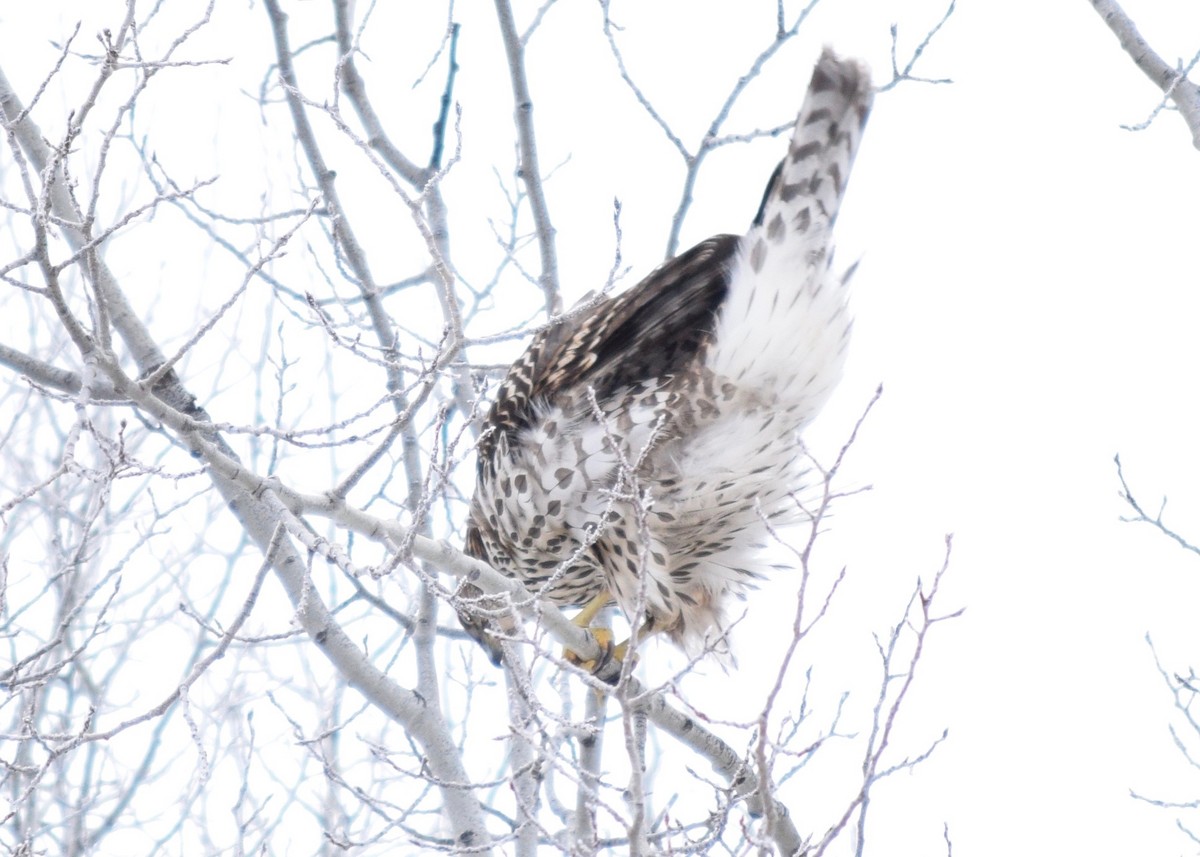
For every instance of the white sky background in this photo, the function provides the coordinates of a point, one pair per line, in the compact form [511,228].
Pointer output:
[1028,298]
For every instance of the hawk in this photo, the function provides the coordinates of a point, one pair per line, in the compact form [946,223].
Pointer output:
[639,447]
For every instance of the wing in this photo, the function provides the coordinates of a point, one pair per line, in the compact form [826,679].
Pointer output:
[653,330]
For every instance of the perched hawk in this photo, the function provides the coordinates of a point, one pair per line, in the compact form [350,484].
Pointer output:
[636,448]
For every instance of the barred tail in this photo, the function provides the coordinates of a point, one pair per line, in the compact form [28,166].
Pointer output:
[810,181]
[784,325]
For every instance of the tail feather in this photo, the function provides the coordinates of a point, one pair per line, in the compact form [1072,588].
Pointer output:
[828,131]
[784,325]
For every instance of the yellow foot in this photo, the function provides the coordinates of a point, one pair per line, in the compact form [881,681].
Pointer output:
[592,609]
[607,666]
[604,637]
[610,655]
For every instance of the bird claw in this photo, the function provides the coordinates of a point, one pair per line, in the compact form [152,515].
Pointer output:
[609,655]
[604,638]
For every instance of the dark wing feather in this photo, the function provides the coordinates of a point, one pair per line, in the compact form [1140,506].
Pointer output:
[655,329]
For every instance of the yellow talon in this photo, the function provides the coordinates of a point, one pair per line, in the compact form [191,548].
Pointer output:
[604,637]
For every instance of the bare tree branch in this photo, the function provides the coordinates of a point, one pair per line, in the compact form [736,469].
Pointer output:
[529,170]
[1177,88]
[1142,517]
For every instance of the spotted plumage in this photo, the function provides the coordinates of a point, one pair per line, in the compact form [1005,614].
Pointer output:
[640,445]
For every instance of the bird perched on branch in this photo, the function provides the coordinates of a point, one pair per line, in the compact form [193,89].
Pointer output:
[637,449]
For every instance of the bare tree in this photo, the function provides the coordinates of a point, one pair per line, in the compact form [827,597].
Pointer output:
[247,344]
